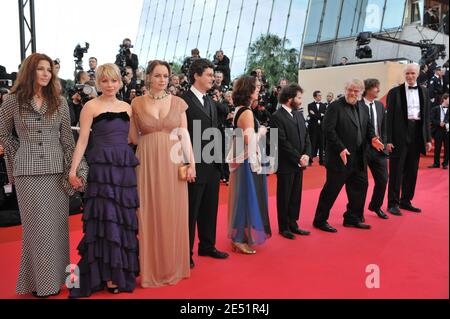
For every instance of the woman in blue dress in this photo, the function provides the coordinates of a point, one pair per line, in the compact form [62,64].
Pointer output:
[248,214]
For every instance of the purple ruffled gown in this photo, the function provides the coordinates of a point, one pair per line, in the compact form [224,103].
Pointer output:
[109,248]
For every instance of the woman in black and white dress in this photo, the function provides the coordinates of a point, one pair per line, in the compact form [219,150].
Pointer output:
[40,156]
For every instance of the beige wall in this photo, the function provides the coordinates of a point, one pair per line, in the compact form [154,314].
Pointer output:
[333,79]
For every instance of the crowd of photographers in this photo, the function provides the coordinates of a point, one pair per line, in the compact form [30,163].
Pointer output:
[431,76]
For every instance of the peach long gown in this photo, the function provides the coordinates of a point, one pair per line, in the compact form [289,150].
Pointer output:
[163,211]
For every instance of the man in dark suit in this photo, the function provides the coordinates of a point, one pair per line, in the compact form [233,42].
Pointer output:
[204,192]
[436,87]
[376,160]
[316,112]
[408,135]
[347,127]
[294,150]
[440,127]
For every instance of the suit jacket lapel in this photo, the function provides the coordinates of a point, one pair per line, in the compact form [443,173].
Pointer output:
[421,101]
[198,104]
[362,111]
[404,101]
[301,128]
[287,115]
[350,114]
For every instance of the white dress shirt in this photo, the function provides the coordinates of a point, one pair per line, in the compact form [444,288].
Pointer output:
[375,118]
[443,112]
[198,94]
[287,109]
[413,102]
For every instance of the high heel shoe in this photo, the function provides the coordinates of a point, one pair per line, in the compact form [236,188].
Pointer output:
[242,248]
[113,290]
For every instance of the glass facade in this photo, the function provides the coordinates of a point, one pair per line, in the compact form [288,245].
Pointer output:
[331,21]
[338,19]
[169,29]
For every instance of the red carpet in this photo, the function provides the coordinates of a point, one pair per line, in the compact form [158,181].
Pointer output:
[412,253]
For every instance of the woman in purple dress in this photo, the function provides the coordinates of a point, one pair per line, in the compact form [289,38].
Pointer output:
[109,248]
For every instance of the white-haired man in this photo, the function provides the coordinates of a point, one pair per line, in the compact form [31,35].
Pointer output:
[408,135]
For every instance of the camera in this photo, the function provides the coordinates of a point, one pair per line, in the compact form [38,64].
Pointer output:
[85,91]
[91,74]
[78,53]
[124,51]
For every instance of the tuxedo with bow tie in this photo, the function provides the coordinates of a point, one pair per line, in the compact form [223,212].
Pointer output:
[408,129]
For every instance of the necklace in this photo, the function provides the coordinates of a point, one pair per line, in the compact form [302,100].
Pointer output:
[158,97]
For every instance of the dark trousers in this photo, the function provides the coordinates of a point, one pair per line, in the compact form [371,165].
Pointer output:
[289,197]
[315,134]
[403,167]
[441,137]
[203,204]
[355,181]
[378,165]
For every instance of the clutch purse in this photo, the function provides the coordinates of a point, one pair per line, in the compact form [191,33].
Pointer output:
[182,172]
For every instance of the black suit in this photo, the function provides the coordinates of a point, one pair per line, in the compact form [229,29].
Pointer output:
[435,90]
[204,193]
[293,142]
[340,125]
[315,128]
[377,160]
[409,138]
[440,135]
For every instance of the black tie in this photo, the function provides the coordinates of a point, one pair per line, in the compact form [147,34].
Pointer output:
[206,104]
[372,117]
[412,87]
[358,135]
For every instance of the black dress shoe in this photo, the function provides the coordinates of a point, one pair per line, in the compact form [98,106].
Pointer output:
[410,207]
[192,264]
[299,231]
[433,166]
[287,234]
[444,166]
[35,294]
[357,225]
[394,211]
[326,227]
[363,219]
[214,253]
[380,213]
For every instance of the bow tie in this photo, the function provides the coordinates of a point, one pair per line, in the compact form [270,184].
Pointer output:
[412,87]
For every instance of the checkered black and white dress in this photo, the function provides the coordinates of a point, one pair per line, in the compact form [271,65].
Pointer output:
[39,157]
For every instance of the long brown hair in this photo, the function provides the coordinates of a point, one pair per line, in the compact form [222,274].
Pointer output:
[25,86]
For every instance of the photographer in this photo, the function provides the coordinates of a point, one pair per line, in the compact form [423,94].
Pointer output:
[219,81]
[126,58]
[222,64]
[80,94]
[195,55]
[129,84]
[92,67]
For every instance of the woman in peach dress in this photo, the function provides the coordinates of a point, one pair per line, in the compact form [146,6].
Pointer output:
[159,129]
